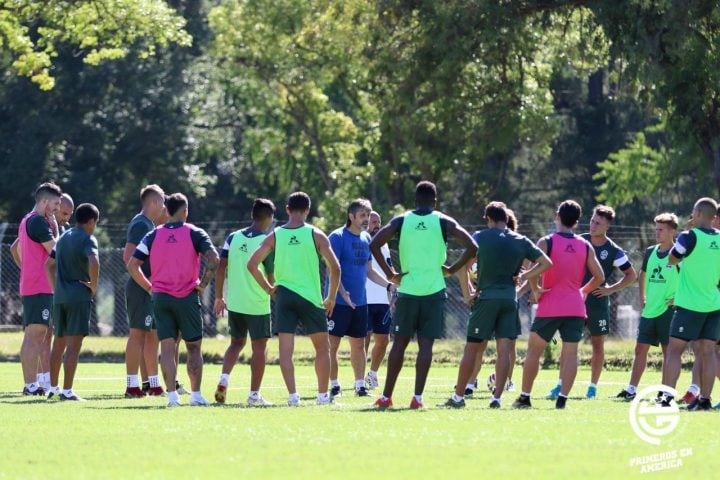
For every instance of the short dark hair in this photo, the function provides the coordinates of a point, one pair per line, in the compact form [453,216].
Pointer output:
[569,212]
[669,219]
[152,189]
[496,212]
[298,202]
[512,222]
[86,212]
[357,205]
[604,211]
[707,206]
[262,209]
[175,202]
[425,194]
[47,189]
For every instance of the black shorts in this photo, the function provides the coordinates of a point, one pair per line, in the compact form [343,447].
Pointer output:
[379,318]
[348,321]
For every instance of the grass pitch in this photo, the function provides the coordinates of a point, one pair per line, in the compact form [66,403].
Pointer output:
[111,437]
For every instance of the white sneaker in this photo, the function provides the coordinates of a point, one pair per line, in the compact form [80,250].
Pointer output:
[293,402]
[371,382]
[325,401]
[258,401]
[509,386]
[173,403]
[198,401]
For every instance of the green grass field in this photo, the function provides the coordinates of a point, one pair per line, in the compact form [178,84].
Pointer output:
[111,437]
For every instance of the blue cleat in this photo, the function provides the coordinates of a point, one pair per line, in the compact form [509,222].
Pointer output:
[591,393]
[553,395]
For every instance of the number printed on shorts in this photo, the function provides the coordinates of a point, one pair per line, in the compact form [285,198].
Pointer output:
[603,324]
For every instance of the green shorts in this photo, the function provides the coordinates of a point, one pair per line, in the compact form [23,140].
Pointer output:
[424,315]
[655,331]
[175,315]
[498,317]
[571,328]
[72,319]
[292,310]
[241,323]
[598,318]
[139,307]
[37,309]
[689,325]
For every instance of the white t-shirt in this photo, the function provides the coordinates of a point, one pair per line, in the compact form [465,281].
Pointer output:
[377,294]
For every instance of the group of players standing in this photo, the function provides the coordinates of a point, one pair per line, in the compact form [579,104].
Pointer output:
[256,264]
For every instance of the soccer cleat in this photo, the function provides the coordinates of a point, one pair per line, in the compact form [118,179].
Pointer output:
[625,395]
[324,401]
[664,399]
[554,393]
[39,391]
[220,393]
[156,392]
[180,389]
[383,403]
[469,392]
[450,403]
[362,392]
[522,401]
[415,405]
[173,403]
[134,392]
[509,386]
[591,393]
[494,404]
[72,397]
[688,398]
[700,404]
[53,393]
[371,381]
[198,401]
[335,391]
[717,407]
[258,401]
[146,387]
[560,402]
[293,402]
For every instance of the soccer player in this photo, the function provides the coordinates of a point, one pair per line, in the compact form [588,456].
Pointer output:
[298,296]
[64,213]
[420,306]
[141,350]
[697,301]
[351,246]
[73,270]
[247,304]
[174,250]
[658,283]
[561,301]
[379,311]
[610,256]
[37,234]
[500,255]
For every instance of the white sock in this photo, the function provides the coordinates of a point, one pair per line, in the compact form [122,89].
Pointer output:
[294,397]
[67,392]
[384,398]
[372,373]
[418,398]
[631,389]
[173,396]
[195,395]
[32,386]
[132,381]
[55,389]
[471,386]
[38,378]
[694,389]
[334,383]
[493,399]
[224,379]
[254,393]
[561,395]
[525,394]
[457,398]
[359,384]
[44,379]
[323,396]
[154,381]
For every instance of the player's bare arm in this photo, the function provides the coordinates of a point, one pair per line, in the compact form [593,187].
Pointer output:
[384,235]
[211,264]
[598,277]
[253,265]
[463,237]
[94,273]
[219,306]
[333,268]
[133,268]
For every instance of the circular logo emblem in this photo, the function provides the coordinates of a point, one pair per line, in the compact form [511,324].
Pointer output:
[148,320]
[331,324]
[45,314]
[651,420]
[603,254]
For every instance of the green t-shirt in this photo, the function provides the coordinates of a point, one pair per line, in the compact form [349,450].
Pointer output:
[661,281]
[139,226]
[423,251]
[244,295]
[71,254]
[500,255]
[297,264]
[700,272]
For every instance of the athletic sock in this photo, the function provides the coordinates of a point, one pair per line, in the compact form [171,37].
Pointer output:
[254,393]
[471,386]
[44,380]
[525,394]
[154,381]
[67,392]
[294,397]
[495,399]
[224,379]
[418,398]
[694,389]
[384,398]
[132,381]
[372,373]
[334,383]
[323,397]
[457,398]
[195,396]
[31,386]
[631,389]
[173,396]
[359,384]
[561,395]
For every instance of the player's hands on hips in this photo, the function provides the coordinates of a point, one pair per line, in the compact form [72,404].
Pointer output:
[537,295]
[668,301]
[346,296]
[219,307]
[93,288]
[446,271]
[329,304]
[472,298]
[396,277]
[601,292]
